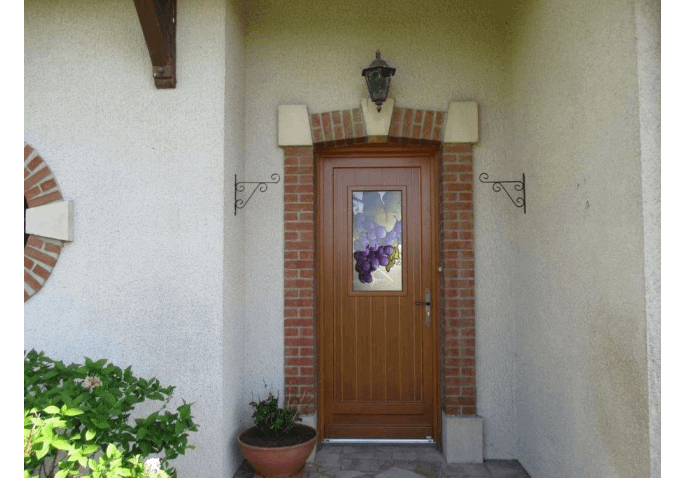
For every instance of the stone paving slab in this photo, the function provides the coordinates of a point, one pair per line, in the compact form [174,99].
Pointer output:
[396,461]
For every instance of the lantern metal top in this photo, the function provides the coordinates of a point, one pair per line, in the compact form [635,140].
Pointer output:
[378,75]
[378,62]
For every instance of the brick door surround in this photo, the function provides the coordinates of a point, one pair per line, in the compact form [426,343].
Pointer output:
[456,252]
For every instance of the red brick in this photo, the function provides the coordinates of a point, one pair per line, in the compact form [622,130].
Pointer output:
[316,120]
[44,258]
[407,124]
[35,163]
[34,242]
[31,193]
[48,198]
[347,124]
[41,272]
[327,127]
[36,177]
[305,361]
[47,185]
[428,124]
[291,371]
[33,283]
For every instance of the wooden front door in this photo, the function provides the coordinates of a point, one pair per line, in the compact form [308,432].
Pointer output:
[377,263]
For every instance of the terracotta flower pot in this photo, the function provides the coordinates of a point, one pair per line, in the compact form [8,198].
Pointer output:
[279,461]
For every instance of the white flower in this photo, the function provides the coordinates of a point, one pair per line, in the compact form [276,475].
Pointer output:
[91,382]
[152,466]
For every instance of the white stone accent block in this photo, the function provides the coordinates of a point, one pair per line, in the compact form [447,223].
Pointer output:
[377,123]
[54,220]
[294,126]
[462,125]
[463,439]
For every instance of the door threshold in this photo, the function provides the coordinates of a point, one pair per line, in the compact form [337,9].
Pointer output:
[389,441]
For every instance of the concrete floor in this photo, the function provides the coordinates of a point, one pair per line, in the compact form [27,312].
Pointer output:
[396,461]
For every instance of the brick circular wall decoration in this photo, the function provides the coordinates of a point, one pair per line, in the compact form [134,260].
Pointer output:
[40,253]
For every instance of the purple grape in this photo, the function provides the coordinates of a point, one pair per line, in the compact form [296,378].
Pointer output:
[360,221]
[358,267]
[365,277]
[371,235]
[364,242]
[365,265]
[373,244]
[398,228]
[388,250]
[374,262]
[383,260]
[381,232]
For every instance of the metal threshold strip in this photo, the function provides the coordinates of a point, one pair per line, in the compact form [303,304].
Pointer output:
[391,441]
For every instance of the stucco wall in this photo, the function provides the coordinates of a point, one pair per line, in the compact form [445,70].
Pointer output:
[143,282]
[582,395]
[311,52]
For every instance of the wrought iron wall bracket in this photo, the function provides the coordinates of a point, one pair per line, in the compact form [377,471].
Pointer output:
[519,186]
[240,187]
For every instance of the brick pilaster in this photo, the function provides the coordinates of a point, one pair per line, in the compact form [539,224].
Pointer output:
[299,272]
[457,285]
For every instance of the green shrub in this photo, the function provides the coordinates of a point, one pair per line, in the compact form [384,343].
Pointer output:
[272,420]
[90,405]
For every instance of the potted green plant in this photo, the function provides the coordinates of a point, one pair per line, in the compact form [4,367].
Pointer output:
[277,445]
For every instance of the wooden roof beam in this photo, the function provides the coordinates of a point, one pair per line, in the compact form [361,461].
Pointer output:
[158,21]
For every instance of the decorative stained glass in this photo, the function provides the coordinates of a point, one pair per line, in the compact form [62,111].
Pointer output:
[377,240]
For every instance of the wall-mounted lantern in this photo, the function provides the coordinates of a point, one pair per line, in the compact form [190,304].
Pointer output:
[378,76]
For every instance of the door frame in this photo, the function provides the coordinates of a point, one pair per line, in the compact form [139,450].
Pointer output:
[380,150]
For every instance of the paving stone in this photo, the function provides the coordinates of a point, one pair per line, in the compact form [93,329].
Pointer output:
[404,456]
[396,472]
[348,474]
[328,459]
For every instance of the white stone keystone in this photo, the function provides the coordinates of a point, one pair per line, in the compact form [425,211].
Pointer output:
[294,126]
[378,123]
[54,220]
[462,125]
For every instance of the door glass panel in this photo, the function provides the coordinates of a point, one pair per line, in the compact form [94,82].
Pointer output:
[377,240]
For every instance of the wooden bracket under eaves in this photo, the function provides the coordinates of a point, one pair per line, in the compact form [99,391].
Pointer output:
[158,21]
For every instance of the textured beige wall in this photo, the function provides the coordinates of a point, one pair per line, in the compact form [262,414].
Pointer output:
[313,52]
[582,399]
[146,169]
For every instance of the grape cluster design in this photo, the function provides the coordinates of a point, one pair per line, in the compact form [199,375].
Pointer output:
[375,246]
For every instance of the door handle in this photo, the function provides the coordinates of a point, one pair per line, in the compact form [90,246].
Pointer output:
[427,305]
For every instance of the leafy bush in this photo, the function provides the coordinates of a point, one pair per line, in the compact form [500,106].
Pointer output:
[272,420]
[104,396]
[42,438]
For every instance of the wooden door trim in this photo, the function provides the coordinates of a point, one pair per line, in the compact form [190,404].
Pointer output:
[378,150]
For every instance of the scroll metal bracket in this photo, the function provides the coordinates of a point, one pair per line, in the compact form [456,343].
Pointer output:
[240,188]
[518,186]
